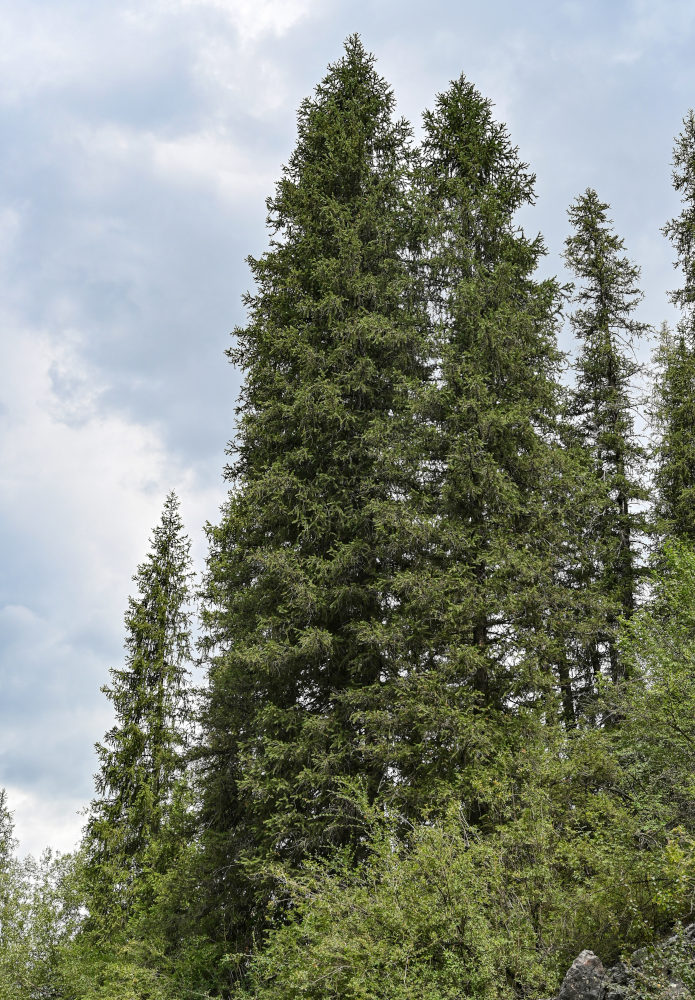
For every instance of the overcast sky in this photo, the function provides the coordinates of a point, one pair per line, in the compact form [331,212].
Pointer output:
[138,143]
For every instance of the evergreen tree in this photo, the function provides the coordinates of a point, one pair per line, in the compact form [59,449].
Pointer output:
[480,594]
[603,404]
[141,760]
[673,416]
[301,610]
[674,409]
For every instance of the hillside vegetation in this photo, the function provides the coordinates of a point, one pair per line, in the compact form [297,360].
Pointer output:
[447,736]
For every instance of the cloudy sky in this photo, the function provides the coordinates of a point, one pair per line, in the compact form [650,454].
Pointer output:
[138,143]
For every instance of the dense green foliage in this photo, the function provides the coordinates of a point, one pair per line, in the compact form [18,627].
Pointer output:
[674,410]
[478,585]
[301,609]
[446,739]
[603,405]
[141,762]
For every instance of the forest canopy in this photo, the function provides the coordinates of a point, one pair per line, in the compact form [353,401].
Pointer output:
[445,740]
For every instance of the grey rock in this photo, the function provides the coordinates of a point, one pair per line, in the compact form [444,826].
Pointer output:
[587,979]
[584,979]
[639,957]
[616,982]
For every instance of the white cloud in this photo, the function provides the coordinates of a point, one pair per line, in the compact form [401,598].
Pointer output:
[207,158]
[78,497]
[80,482]
[50,47]
[35,816]
[254,18]
[669,20]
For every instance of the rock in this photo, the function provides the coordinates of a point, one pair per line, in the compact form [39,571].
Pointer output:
[639,957]
[616,982]
[652,969]
[584,980]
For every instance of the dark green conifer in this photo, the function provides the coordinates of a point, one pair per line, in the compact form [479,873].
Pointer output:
[674,409]
[603,406]
[141,759]
[480,594]
[301,611]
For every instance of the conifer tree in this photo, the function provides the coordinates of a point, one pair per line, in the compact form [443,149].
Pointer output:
[141,759]
[301,612]
[480,593]
[603,403]
[674,410]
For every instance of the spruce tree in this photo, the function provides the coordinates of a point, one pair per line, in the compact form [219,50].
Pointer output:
[142,757]
[674,409]
[481,593]
[301,610]
[603,404]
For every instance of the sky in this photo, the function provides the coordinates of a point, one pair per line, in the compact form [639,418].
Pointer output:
[138,142]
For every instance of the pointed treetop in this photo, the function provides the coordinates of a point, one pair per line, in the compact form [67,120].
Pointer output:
[467,142]
[595,253]
[681,230]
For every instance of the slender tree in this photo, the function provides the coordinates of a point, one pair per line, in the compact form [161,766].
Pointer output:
[301,610]
[497,400]
[141,759]
[603,405]
[674,398]
[481,592]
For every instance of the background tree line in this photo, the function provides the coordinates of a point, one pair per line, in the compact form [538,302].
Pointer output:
[448,615]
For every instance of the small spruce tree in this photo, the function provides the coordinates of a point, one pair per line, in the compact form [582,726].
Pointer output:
[603,405]
[142,757]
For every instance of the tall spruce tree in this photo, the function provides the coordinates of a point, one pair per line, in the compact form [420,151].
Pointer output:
[603,405]
[674,409]
[142,757]
[480,593]
[301,610]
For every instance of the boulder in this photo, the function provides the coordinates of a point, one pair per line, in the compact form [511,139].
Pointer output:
[584,979]
[587,979]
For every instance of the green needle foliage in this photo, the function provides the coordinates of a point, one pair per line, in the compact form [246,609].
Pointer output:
[603,406]
[673,417]
[674,398]
[142,758]
[419,613]
[681,230]
[301,610]
[480,589]
[661,720]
